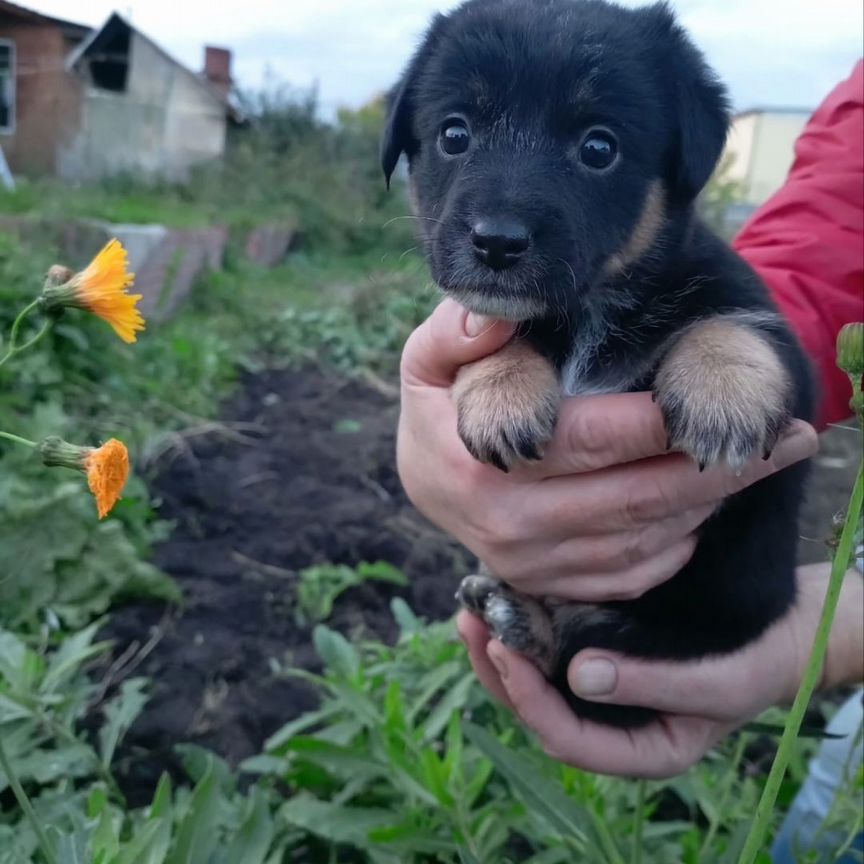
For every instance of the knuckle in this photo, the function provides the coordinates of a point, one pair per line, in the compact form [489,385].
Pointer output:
[588,438]
[635,548]
[646,501]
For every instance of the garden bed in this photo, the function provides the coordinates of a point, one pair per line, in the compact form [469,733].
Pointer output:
[304,475]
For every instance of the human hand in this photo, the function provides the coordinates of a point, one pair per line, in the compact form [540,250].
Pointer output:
[701,701]
[606,515]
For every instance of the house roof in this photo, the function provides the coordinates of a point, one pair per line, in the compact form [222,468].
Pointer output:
[70,28]
[116,23]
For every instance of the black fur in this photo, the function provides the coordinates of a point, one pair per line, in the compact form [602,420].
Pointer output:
[530,79]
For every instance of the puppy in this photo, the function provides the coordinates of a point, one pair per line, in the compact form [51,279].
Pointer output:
[555,151]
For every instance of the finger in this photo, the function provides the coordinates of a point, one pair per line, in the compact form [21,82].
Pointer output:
[661,749]
[595,432]
[603,555]
[449,338]
[475,634]
[714,688]
[626,585]
[629,496]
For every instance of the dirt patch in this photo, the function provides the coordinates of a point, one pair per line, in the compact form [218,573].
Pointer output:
[312,481]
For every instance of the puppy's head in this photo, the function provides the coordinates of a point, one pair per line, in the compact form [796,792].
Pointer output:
[548,144]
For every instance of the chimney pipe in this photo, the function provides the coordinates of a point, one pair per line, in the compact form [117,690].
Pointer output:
[217,68]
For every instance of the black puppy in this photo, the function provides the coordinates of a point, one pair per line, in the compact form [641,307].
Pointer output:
[555,149]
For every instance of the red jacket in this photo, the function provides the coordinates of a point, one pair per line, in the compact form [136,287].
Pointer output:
[807,242]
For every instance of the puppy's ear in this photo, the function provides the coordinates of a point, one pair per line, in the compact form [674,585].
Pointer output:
[698,102]
[398,135]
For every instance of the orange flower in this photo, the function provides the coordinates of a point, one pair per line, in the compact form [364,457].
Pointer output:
[107,470]
[106,467]
[101,288]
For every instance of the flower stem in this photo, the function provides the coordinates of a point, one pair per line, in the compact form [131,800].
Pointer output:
[812,674]
[31,342]
[14,347]
[17,439]
[26,806]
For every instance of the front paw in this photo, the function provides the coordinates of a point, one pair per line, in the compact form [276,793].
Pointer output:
[500,432]
[724,394]
[506,406]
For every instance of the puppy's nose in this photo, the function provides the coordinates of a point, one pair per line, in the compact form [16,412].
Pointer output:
[500,241]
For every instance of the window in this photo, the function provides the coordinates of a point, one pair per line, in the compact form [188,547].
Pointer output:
[109,59]
[7,86]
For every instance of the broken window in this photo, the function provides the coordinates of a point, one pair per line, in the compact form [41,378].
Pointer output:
[7,86]
[108,59]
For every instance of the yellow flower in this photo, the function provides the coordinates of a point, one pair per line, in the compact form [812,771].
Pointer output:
[101,288]
[106,467]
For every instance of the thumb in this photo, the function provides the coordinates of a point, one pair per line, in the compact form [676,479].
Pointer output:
[449,338]
[709,687]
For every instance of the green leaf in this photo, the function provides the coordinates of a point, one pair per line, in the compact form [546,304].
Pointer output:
[335,823]
[198,762]
[198,832]
[408,622]
[148,846]
[381,571]
[542,795]
[434,681]
[73,653]
[72,849]
[252,842]
[105,843]
[336,652]
[455,700]
[120,713]
[161,805]
[344,762]
[301,724]
[12,654]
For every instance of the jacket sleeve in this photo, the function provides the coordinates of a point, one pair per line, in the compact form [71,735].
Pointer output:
[807,242]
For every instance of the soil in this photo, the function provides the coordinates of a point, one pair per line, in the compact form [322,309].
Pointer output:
[311,479]
[302,473]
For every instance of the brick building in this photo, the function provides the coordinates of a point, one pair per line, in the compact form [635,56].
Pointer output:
[83,104]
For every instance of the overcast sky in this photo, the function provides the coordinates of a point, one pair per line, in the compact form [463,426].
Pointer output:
[778,53]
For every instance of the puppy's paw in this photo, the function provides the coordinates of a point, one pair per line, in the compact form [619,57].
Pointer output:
[724,392]
[507,405]
[519,621]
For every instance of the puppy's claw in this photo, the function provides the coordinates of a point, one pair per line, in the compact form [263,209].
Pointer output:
[702,467]
[529,450]
[496,460]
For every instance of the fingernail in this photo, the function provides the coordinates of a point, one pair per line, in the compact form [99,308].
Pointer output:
[477,325]
[798,444]
[595,678]
[493,652]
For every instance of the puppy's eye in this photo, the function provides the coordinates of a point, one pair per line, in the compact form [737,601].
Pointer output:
[598,150]
[454,138]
